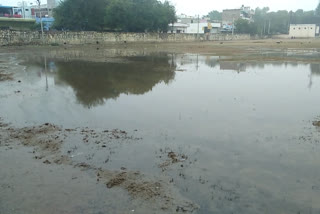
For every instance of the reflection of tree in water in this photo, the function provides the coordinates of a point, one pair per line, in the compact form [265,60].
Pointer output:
[95,82]
[315,69]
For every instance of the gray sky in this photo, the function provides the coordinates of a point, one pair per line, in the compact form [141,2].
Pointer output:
[202,7]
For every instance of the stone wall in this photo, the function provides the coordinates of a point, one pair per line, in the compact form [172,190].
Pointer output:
[8,37]
[229,37]
[17,23]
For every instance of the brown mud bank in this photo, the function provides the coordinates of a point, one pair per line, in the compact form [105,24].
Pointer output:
[248,50]
[47,141]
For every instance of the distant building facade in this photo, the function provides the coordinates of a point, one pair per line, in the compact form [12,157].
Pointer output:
[201,28]
[194,25]
[51,4]
[46,10]
[16,12]
[229,16]
[303,31]
[178,28]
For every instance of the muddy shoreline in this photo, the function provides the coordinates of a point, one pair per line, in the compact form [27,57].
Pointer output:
[241,51]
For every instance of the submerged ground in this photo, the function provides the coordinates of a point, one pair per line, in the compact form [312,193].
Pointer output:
[220,127]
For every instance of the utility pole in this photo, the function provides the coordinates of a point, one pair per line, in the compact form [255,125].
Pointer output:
[24,10]
[269,27]
[39,3]
[45,71]
[232,26]
[198,28]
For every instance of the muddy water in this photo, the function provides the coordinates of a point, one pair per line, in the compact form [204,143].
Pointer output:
[230,136]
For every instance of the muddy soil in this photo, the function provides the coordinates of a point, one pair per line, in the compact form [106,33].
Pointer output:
[48,139]
[4,76]
[316,123]
[247,50]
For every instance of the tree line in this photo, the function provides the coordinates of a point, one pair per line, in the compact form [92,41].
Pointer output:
[114,15]
[266,22]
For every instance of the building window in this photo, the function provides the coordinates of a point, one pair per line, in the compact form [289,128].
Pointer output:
[27,9]
[294,28]
[299,28]
[305,28]
[311,28]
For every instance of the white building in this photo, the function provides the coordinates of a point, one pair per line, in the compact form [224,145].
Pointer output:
[195,28]
[178,28]
[202,28]
[303,30]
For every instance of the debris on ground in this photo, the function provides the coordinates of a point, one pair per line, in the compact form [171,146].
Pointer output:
[172,158]
[316,123]
[4,76]
[143,187]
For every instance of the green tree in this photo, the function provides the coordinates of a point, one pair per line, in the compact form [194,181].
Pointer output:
[244,26]
[305,17]
[215,15]
[80,15]
[260,17]
[278,22]
[139,15]
[318,10]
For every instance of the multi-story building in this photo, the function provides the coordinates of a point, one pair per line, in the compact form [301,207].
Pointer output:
[46,10]
[229,16]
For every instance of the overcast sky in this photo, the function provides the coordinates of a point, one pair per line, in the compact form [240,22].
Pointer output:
[202,7]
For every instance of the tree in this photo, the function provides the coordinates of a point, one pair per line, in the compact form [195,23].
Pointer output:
[215,15]
[259,18]
[244,26]
[318,10]
[279,22]
[80,15]
[139,15]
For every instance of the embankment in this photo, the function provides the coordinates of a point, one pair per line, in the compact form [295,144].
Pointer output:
[8,37]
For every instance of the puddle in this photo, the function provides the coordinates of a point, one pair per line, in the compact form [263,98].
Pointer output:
[198,134]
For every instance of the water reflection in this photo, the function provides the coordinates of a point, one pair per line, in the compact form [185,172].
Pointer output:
[96,82]
[245,130]
[236,66]
[315,71]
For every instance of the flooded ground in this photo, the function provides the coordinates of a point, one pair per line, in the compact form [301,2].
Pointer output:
[140,131]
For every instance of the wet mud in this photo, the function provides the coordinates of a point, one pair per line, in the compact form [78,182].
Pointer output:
[316,123]
[4,76]
[201,166]
[48,139]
